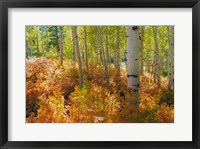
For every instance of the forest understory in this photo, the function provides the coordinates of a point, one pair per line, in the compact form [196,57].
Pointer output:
[53,95]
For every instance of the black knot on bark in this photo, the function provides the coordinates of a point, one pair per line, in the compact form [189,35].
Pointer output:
[136,85]
[132,75]
[134,27]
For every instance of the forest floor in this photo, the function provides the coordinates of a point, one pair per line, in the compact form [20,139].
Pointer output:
[53,95]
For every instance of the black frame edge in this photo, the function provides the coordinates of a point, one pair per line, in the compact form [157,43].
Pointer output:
[100,3]
[4,73]
[3,133]
[198,69]
[195,74]
[5,144]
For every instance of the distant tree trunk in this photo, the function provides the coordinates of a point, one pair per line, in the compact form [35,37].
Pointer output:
[61,47]
[27,49]
[92,55]
[117,54]
[148,61]
[161,62]
[42,42]
[73,46]
[141,49]
[85,48]
[148,55]
[74,30]
[47,39]
[27,44]
[57,43]
[37,43]
[132,56]
[156,58]
[97,48]
[106,46]
[103,55]
[170,60]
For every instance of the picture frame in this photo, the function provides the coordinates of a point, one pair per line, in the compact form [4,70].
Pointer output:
[4,87]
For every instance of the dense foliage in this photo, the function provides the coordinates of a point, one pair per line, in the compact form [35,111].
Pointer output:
[55,93]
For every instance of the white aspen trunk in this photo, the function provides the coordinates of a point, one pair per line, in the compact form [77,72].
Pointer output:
[27,44]
[74,30]
[132,56]
[103,55]
[106,46]
[156,58]
[85,48]
[37,43]
[148,55]
[92,57]
[170,60]
[42,42]
[117,58]
[47,40]
[141,49]
[27,49]
[61,48]
[73,46]
[148,61]
[97,47]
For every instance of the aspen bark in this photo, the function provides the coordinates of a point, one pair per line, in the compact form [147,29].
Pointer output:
[104,60]
[57,44]
[47,39]
[27,44]
[85,48]
[27,49]
[156,58]
[74,30]
[106,46]
[73,46]
[148,55]
[132,56]
[170,60]
[61,48]
[148,61]
[37,44]
[42,42]
[117,54]
[141,49]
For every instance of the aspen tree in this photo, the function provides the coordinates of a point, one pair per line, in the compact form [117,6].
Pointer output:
[132,56]
[156,58]
[117,54]
[85,48]
[170,59]
[47,39]
[106,46]
[148,56]
[104,60]
[73,46]
[27,44]
[74,32]
[42,42]
[141,49]
[37,40]
[61,46]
